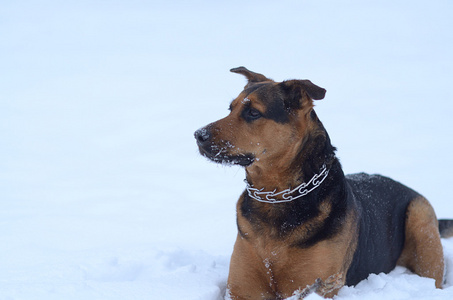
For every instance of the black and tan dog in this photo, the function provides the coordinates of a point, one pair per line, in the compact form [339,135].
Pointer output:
[301,221]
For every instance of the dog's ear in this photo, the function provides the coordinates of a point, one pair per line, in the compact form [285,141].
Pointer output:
[251,76]
[294,91]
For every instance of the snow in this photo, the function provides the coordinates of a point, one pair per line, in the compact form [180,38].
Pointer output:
[103,193]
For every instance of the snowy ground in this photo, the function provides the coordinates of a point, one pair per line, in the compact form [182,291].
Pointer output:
[102,192]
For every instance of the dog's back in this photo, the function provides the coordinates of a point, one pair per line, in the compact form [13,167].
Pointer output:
[382,203]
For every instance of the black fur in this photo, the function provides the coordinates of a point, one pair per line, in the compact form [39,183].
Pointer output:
[446,228]
[276,109]
[330,189]
[277,112]
[296,88]
[381,203]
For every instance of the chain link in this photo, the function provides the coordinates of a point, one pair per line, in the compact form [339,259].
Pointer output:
[287,195]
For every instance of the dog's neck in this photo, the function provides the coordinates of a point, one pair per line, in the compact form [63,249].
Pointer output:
[277,180]
[289,194]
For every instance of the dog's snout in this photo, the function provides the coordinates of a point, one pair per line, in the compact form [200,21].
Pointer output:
[203,135]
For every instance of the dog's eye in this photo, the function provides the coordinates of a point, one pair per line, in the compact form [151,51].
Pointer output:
[254,113]
[251,114]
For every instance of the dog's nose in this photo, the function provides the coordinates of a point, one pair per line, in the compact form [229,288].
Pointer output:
[202,135]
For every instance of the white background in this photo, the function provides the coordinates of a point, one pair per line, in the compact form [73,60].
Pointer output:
[102,192]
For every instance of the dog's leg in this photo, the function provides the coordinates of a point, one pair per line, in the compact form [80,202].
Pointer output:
[248,279]
[422,252]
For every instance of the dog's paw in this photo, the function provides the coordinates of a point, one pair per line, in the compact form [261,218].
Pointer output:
[332,283]
[325,288]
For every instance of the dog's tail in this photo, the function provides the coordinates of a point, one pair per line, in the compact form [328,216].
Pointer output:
[446,228]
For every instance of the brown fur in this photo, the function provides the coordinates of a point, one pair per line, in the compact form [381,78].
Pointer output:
[288,265]
[422,253]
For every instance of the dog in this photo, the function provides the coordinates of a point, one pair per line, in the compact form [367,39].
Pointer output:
[303,226]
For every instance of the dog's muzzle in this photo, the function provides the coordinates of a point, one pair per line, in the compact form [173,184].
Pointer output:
[219,152]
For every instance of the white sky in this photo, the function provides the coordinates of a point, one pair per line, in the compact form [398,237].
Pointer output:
[103,96]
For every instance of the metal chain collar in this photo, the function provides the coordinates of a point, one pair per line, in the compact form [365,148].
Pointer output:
[286,195]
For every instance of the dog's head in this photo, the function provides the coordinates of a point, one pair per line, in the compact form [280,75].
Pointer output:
[267,124]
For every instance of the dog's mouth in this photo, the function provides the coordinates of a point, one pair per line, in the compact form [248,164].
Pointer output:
[221,155]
